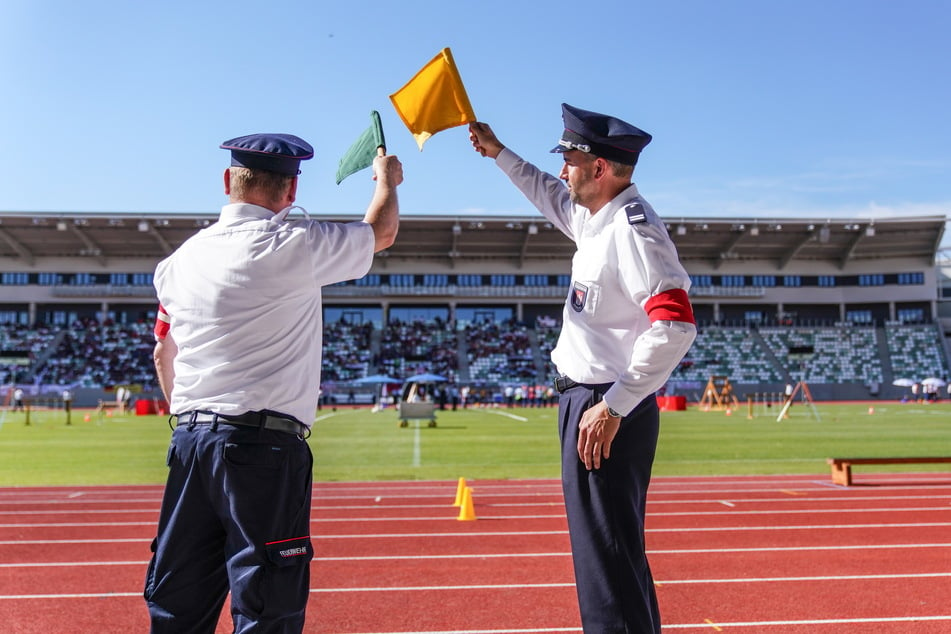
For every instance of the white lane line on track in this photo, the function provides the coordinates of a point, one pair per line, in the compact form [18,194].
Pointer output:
[571,584]
[53,542]
[385,505]
[153,512]
[652,552]
[824,527]
[77,524]
[387,498]
[77,595]
[674,529]
[910,509]
[70,564]
[716,529]
[686,551]
[916,575]
[674,551]
[762,624]
[85,500]
[507,415]
[804,500]
[485,586]
[482,493]
[785,549]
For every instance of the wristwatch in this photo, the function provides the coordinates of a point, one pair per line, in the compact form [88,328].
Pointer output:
[611,412]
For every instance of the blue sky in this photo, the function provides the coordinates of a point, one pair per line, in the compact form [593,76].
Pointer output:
[814,108]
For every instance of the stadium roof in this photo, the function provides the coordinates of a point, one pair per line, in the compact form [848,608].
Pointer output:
[104,237]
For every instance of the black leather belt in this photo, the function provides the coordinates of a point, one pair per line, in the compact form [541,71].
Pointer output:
[248,419]
[563,383]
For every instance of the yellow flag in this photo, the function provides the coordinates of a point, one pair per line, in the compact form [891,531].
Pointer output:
[434,99]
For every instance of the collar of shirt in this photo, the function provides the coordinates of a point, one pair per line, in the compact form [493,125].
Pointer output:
[240,211]
[596,222]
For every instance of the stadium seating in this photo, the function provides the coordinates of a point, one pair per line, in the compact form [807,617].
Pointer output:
[841,354]
[916,351]
[500,353]
[346,352]
[406,349]
[92,354]
[734,352]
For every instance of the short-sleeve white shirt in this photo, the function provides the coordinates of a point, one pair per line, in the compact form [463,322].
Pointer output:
[244,301]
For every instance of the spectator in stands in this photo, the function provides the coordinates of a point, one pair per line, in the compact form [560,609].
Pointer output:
[18,400]
[238,357]
[67,404]
[627,323]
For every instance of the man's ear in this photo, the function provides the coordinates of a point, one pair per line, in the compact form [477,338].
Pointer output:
[227,179]
[292,192]
[599,167]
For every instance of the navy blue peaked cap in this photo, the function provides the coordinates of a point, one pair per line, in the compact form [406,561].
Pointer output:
[601,135]
[281,153]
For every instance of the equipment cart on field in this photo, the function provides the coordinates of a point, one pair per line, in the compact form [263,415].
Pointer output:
[418,400]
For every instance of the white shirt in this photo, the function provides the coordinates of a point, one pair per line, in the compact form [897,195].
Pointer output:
[244,300]
[624,258]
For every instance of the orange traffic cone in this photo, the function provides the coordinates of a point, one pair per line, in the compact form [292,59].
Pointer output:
[466,511]
[460,492]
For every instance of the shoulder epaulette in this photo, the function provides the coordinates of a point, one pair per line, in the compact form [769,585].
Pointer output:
[635,213]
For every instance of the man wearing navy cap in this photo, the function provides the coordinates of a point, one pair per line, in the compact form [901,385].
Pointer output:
[627,322]
[238,357]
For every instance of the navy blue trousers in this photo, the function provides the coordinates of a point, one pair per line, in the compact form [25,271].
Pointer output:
[235,516]
[606,509]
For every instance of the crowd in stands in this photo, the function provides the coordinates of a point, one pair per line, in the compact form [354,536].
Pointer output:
[347,353]
[408,349]
[500,352]
[93,354]
[22,345]
[90,353]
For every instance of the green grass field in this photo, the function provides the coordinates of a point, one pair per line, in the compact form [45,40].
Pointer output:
[356,444]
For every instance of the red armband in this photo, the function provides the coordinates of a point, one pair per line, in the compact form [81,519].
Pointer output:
[162,323]
[671,305]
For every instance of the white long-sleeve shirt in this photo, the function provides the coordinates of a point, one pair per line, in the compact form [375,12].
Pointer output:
[627,319]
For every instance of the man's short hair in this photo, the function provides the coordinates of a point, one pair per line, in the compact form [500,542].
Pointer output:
[271,185]
[621,170]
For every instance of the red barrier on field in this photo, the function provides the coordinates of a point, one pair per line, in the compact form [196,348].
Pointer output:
[147,406]
[672,403]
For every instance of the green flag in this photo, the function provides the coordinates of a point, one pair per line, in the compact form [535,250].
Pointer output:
[361,153]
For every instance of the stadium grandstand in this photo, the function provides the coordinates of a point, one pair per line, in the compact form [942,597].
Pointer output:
[478,300]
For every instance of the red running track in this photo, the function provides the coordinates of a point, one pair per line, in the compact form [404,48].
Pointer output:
[731,554]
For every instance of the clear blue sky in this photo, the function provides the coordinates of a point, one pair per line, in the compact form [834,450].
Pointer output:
[818,108]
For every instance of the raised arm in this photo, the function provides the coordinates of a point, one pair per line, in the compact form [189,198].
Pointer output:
[383,214]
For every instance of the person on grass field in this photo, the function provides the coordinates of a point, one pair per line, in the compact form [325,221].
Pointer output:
[627,323]
[238,357]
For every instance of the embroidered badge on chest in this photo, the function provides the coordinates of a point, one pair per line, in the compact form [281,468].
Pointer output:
[579,295]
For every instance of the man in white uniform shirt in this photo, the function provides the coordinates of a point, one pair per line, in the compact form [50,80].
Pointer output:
[627,323]
[238,357]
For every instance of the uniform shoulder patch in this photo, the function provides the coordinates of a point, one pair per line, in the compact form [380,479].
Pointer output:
[635,214]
